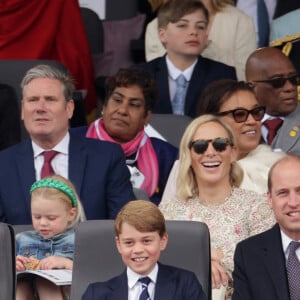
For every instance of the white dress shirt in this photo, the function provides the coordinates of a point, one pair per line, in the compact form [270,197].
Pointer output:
[174,73]
[285,245]
[135,287]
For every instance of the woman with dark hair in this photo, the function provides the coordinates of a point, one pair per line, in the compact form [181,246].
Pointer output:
[130,97]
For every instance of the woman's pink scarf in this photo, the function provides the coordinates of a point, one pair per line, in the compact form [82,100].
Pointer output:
[146,161]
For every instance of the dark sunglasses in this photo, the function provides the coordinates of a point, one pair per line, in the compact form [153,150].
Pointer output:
[200,146]
[279,82]
[241,114]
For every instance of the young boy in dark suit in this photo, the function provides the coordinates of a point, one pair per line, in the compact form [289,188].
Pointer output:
[140,237]
[183,73]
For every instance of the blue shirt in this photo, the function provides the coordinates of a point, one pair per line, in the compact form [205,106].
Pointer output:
[30,243]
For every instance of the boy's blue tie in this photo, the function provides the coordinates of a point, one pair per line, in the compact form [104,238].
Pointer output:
[144,294]
[179,98]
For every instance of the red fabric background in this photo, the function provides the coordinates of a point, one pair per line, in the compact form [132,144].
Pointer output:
[48,29]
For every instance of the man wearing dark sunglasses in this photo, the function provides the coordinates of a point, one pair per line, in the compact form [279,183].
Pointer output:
[275,80]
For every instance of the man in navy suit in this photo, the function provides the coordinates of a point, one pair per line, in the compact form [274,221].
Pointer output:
[96,168]
[141,236]
[182,28]
[261,261]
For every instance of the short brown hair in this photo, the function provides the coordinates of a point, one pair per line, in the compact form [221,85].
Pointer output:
[173,11]
[143,215]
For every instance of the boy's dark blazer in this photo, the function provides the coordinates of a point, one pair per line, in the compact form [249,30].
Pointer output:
[172,284]
[205,72]
[96,168]
[260,268]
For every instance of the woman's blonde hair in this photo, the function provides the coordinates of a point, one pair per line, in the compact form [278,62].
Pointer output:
[219,5]
[186,185]
[69,197]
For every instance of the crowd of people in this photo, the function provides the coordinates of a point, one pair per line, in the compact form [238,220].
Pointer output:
[237,167]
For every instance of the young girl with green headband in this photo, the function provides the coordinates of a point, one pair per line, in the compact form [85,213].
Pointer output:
[55,209]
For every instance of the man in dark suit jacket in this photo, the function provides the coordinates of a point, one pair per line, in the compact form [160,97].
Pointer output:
[97,168]
[260,261]
[172,284]
[182,29]
[10,126]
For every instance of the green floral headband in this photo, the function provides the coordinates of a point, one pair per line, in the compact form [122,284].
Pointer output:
[55,184]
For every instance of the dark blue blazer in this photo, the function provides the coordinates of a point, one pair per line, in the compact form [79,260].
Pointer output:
[96,168]
[172,284]
[166,156]
[205,72]
[259,268]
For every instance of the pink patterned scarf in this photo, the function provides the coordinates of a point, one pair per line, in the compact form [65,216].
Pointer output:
[141,144]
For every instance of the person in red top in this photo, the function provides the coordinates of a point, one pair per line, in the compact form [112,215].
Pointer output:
[42,29]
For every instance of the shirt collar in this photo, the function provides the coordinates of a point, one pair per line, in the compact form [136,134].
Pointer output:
[133,277]
[175,72]
[269,117]
[285,242]
[61,147]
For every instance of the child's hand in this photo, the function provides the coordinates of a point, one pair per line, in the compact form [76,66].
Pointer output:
[56,262]
[21,262]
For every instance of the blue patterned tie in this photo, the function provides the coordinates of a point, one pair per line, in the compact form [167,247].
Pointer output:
[179,98]
[293,271]
[144,294]
[262,23]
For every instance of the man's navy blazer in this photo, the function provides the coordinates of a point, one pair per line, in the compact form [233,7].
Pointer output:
[96,168]
[260,268]
[172,284]
[205,72]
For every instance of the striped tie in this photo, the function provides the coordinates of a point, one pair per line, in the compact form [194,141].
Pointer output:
[144,294]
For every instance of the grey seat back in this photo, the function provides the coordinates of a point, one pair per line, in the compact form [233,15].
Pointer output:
[170,126]
[97,259]
[8,262]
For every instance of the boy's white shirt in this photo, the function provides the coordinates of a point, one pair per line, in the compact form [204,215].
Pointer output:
[175,72]
[135,287]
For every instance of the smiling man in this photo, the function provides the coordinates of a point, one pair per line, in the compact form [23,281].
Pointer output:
[275,81]
[96,168]
[267,266]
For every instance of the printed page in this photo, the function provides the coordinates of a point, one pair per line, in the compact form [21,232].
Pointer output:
[58,277]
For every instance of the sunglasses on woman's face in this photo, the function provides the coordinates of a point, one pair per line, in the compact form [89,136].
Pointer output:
[279,82]
[200,146]
[241,114]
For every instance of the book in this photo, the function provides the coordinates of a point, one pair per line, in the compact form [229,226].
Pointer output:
[58,277]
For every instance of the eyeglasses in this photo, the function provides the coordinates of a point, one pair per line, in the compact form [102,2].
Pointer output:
[279,82]
[200,146]
[241,114]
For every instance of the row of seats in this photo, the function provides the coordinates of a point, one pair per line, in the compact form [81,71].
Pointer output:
[97,259]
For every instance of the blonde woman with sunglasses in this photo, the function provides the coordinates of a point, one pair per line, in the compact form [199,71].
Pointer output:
[207,190]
